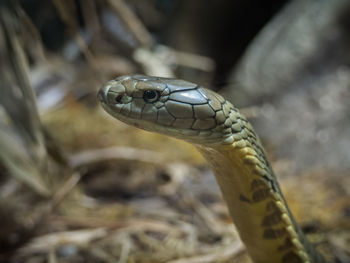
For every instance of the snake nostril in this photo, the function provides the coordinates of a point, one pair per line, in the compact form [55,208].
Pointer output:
[118,99]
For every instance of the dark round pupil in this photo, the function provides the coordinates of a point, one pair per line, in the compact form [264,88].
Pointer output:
[149,94]
[118,99]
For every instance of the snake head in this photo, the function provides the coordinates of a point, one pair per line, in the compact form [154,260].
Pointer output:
[169,106]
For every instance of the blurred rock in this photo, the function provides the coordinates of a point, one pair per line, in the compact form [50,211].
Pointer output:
[297,71]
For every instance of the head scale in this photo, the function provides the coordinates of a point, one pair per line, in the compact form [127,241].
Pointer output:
[169,106]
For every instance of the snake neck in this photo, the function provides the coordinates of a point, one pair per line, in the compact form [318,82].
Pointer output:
[256,203]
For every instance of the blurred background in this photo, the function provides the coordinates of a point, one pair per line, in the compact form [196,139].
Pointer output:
[79,186]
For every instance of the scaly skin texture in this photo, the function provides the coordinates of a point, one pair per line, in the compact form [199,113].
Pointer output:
[228,142]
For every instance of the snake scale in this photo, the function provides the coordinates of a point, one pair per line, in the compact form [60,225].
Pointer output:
[226,139]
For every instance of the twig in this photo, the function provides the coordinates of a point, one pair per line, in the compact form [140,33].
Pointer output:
[211,220]
[217,256]
[65,189]
[161,59]
[51,257]
[125,251]
[154,62]
[90,16]
[49,241]
[194,61]
[135,26]
[25,130]
[131,225]
[72,24]
[126,153]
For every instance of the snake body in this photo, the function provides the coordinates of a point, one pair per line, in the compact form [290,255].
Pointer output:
[228,142]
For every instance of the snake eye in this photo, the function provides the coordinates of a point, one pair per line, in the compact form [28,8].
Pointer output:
[118,99]
[151,95]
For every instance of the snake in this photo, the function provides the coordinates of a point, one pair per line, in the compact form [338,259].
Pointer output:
[233,150]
